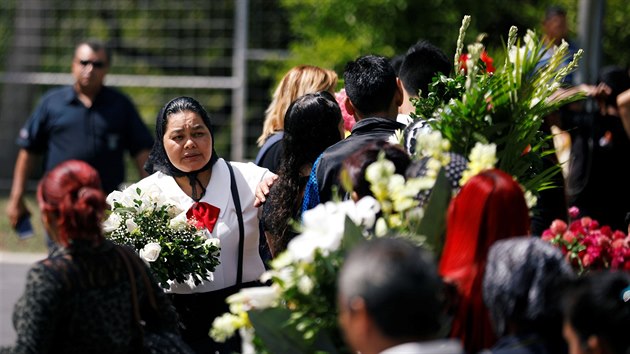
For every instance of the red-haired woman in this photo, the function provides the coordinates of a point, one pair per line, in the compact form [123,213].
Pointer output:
[79,299]
[490,206]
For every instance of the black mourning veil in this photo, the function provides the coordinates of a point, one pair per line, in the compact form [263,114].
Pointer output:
[158,160]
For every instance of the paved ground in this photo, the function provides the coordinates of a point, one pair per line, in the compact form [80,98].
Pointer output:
[13,269]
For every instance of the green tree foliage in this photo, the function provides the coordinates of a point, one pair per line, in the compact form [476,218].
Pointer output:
[616,33]
[329,33]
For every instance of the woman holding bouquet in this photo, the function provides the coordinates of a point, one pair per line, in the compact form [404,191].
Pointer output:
[220,195]
[79,299]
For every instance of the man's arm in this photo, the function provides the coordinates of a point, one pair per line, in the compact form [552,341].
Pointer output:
[141,157]
[15,206]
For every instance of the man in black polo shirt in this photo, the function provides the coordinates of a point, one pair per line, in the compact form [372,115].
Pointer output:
[86,121]
[373,97]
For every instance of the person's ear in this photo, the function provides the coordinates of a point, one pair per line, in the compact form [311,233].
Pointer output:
[350,107]
[49,219]
[46,219]
[594,345]
[399,96]
[360,317]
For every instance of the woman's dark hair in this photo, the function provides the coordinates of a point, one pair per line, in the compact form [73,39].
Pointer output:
[72,193]
[158,160]
[598,304]
[527,297]
[311,124]
[356,164]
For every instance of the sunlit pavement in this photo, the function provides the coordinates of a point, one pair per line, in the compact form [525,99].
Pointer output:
[13,269]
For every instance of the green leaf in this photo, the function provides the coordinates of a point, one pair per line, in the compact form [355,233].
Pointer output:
[352,234]
[277,337]
[433,224]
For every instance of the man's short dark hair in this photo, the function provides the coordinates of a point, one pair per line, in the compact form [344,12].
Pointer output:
[370,83]
[396,62]
[97,45]
[399,283]
[422,62]
[555,10]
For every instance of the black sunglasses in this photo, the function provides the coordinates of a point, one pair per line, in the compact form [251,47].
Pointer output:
[95,64]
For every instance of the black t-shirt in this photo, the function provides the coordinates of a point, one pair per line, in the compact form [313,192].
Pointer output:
[272,152]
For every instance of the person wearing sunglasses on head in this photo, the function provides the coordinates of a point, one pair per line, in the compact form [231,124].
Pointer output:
[85,121]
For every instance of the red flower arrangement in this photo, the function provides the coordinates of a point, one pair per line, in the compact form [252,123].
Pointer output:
[485,58]
[348,119]
[588,246]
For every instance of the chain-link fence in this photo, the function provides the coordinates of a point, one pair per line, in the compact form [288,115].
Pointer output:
[216,51]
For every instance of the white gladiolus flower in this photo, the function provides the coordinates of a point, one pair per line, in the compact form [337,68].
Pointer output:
[223,327]
[482,157]
[324,227]
[530,199]
[380,169]
[260,297]
[530,41]
[364,211]
[381,227]
[282,260]
[112,222]
[286,276]
[305,285]
[247,340]
[150,252]
[431,144]
[303,246]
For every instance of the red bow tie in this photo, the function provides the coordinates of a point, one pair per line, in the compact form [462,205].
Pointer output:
[203,215]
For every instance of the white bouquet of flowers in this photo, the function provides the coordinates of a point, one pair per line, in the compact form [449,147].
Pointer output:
[172,245]
[297,313]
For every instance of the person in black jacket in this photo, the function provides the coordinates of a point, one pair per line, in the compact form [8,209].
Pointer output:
[373,98]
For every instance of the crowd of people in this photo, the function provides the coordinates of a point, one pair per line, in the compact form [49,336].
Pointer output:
[493,289]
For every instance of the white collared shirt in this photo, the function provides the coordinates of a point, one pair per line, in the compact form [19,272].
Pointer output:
[218,193]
